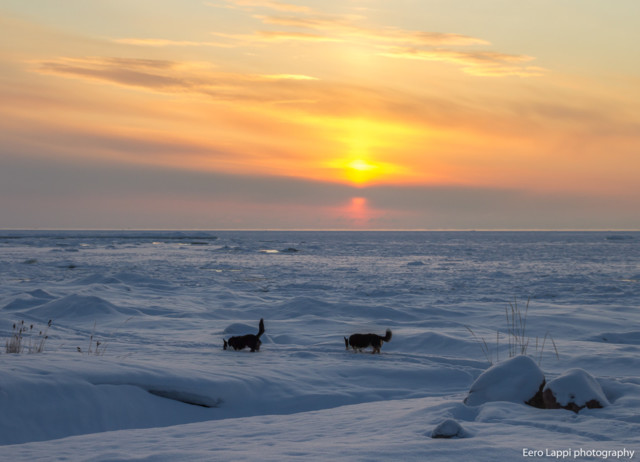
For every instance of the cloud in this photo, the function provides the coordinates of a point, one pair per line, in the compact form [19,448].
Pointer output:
[345,26]
[177,77]
[311,95]
[288,77]
[269,4]
[479,63]
[303,24]
[292,36]
[147,73]
[316,22]
[263,37]
[158,42]
[390,42]
[81,194]
[68,178]
[416,45]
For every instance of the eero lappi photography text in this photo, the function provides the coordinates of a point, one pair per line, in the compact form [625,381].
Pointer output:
[579,453]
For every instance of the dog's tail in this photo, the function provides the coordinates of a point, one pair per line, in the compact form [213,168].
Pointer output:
[261,328]
[346,342]
[224,347]
[387,337]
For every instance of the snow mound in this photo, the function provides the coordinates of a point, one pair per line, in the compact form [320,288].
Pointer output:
[574,390]
[621,338]
[516,380]
[21,302]
[56,406]
[28,300]
[77,306]
[415,263]
[39,293]
[449,429]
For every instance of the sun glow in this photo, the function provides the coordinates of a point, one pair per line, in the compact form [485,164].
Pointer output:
[367,143]
[362,165]
[360,171]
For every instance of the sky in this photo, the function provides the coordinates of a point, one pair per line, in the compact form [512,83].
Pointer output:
[350,114]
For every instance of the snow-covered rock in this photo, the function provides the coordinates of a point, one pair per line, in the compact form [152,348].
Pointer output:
[518,380]
[574,390]
[448,429]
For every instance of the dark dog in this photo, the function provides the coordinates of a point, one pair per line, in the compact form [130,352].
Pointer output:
[246,341]
[361,341]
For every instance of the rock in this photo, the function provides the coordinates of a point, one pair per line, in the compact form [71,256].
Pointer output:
[574,390]
[518,380]
[448,429]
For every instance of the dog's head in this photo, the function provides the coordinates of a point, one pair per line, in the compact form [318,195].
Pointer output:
[225,345]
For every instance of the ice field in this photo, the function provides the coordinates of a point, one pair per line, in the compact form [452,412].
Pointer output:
[133,366]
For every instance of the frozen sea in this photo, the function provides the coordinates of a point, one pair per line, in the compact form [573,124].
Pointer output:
[133,366]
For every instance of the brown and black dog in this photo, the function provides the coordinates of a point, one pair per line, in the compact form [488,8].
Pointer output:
[251,341]
[361,341]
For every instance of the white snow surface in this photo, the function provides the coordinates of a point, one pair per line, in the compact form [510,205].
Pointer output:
[517,379]
[163,389]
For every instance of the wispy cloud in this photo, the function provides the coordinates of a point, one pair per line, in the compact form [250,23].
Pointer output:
[260,38]
[159,42]
[305,25]
[178,77]
[479,63]
[269,4]
[298,23]
[148,73]
[295,36]
[345,26]
[288,77]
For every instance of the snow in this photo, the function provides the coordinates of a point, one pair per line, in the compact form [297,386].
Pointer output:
[449,429]
[517,379]
[162,388]
[576,386]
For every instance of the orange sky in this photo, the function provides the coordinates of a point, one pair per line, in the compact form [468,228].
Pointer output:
[353,114]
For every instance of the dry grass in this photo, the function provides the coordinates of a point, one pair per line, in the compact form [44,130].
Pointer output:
[22,339]
[517,326]
[517,339]
[97,347]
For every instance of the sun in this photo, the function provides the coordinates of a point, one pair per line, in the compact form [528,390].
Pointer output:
[369,151]
[361,165]
[363,171]
[360,171]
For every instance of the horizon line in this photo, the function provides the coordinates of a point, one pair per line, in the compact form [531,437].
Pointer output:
[631,230]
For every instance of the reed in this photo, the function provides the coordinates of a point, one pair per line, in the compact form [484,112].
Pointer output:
[517,339]
[22,340]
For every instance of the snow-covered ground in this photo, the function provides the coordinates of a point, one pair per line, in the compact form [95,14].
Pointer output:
[162,388]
